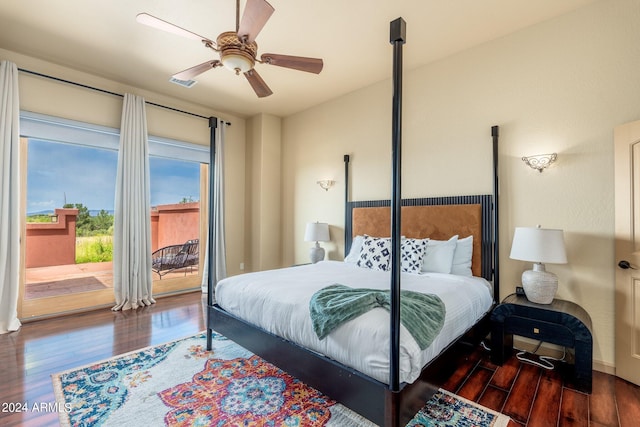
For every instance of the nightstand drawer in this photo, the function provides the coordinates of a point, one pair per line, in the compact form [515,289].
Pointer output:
[540,330]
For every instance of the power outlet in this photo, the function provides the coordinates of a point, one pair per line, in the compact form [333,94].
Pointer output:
[242,266]
[519,290]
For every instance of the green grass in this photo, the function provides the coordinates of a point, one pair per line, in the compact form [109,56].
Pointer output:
[38,218]
[94,249]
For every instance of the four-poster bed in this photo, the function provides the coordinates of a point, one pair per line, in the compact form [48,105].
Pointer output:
[365,394]
[393,397]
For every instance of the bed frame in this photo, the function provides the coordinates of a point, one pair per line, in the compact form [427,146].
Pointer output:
[368,397]
[393,404]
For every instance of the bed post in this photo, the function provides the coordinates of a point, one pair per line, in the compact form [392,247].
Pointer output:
[397,36]
[211,271]
[496,226]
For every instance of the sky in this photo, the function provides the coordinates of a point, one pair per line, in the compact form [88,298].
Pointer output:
[58,172]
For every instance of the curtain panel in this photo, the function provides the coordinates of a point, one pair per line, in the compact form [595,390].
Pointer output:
[220,270]
[132,276]
[9,197]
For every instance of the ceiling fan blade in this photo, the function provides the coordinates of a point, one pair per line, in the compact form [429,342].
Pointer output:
[152,21]
[256,14]
[190,73]
[310,65]
[258,85]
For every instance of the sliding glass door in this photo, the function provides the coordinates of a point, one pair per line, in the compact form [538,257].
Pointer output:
[69,187]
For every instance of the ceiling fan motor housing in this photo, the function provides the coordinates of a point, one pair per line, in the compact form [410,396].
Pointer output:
[235,54]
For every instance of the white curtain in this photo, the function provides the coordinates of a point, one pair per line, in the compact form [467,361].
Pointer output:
[132,280]
[9,197]
[218,212]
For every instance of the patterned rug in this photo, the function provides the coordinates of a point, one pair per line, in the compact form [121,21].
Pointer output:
[182,384]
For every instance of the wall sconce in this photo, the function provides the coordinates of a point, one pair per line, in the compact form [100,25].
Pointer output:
[540,161]
[326,184]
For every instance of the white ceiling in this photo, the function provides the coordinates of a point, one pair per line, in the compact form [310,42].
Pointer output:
[352,36]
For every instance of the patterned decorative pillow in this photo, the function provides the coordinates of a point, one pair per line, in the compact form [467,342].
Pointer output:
[412,254]
[375,253]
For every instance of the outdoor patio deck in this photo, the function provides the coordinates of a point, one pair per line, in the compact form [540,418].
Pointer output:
[62,279]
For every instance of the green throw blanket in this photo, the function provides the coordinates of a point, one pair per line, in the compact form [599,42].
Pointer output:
[422,314]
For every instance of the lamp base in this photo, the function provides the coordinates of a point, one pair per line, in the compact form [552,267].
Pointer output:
[316,253]
[539,285]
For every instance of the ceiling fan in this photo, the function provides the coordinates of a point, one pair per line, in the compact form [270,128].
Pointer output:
[237,49]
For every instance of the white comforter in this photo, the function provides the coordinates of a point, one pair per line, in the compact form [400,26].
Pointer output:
[278,301]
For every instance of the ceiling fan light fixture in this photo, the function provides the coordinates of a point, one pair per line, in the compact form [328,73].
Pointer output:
[237,61]
[235,54]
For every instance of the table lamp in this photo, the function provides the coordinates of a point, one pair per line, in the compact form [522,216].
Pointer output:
[539,245]
[316,232]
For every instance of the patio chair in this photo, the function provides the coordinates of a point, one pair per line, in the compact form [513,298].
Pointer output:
[175,257]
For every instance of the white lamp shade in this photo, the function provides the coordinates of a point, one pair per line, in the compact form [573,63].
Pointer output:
[540,245]
[316,232]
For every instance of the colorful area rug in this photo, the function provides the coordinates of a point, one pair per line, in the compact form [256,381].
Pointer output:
[182,384]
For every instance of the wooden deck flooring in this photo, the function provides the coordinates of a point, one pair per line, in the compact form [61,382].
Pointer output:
[41,282]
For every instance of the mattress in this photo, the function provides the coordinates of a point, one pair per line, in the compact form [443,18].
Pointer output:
[278,301]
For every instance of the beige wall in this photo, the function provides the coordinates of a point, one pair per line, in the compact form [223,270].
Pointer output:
[47,96]
[560,86]
[264,192]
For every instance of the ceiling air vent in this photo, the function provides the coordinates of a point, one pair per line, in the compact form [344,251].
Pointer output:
[185,83]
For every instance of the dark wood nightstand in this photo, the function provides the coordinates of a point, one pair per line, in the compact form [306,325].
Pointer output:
[561,322]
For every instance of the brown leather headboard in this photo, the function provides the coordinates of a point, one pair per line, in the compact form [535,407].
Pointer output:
[438,222]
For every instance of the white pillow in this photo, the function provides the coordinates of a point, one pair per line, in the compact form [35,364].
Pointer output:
[375,253]
[439,255]
[461,264]
[412,254]
[354,252]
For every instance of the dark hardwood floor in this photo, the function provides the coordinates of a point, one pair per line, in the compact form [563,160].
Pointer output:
[531,396]
[536,397]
